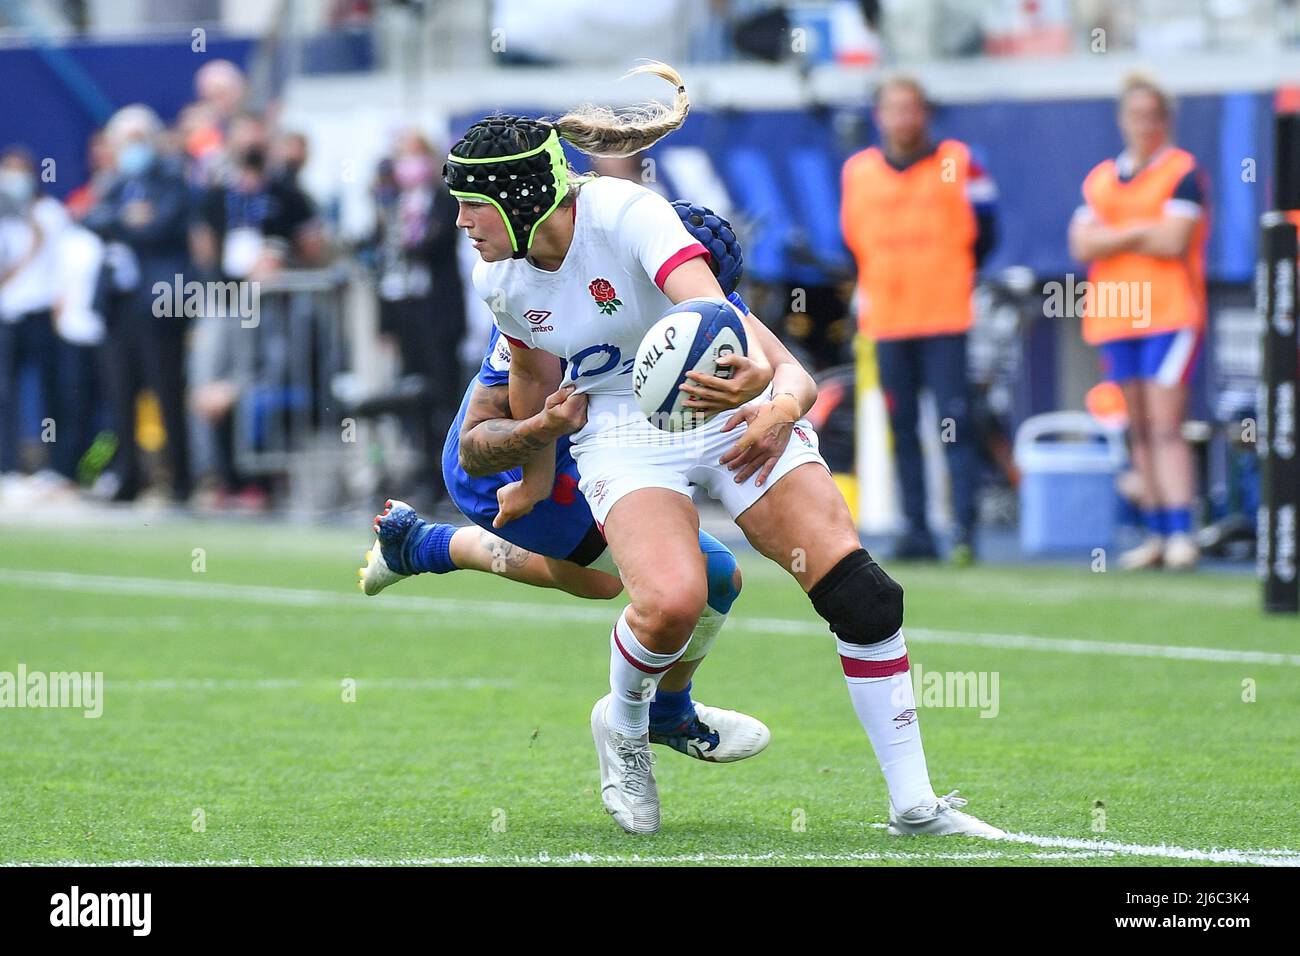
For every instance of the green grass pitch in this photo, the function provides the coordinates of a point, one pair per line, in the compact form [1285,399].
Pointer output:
[226,734]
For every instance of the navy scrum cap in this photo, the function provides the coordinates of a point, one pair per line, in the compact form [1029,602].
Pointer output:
[716,235]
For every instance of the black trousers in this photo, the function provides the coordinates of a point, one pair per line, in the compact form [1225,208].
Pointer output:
[79,402]
[30,339]
[142,351]
[938,363]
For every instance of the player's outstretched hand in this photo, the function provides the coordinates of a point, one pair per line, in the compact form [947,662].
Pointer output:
[513,502]
[711,393]
[565,411]
[764,441]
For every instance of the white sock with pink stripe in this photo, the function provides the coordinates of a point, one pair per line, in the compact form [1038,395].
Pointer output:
[880,686]
[634,674]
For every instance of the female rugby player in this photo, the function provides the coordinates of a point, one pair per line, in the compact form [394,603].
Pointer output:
[580,273]
[558,545]
[1142,226]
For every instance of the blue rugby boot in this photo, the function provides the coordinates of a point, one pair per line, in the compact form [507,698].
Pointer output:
[405,544]
[715,735]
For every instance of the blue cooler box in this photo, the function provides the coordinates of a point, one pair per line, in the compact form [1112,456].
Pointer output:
[1068,499]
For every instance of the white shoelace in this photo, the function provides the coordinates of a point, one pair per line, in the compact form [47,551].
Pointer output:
[952,802]
[637,760]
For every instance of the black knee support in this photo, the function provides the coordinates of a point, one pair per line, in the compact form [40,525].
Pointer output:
[862,604]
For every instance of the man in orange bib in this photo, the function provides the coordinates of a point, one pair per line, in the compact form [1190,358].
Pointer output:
[1142,228]
[918,217]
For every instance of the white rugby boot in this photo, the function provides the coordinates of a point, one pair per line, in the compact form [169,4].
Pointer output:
[1181,553]
[943,818]
[717,735]
[1149,554]
[377,575]
[627,779]
[405,545]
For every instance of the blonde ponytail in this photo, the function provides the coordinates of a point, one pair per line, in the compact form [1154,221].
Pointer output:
[601,131]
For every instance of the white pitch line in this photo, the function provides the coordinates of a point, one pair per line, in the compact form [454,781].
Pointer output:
[1070,849]
[1280,857]
[1254,857]
[523,610]
[1066,645]
[542,859]
[283,683]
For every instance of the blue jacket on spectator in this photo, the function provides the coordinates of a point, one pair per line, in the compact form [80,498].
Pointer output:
[160,240]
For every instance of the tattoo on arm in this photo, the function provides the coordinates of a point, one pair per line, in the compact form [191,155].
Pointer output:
[490,440]
[497,444]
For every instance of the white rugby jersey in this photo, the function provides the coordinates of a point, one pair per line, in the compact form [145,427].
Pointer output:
[593,311]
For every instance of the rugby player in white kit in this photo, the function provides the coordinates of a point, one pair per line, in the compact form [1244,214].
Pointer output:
[578,271]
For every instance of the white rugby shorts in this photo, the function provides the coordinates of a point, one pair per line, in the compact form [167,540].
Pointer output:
[628,454]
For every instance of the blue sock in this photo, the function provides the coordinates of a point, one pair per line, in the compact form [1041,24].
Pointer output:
[1154,520]
[1130,515]
[1178,521]
[428,549]
[670,709]
[721,569]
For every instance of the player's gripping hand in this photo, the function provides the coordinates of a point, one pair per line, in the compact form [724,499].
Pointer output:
[764,441]
[513,502]
[710,393]
[565,412]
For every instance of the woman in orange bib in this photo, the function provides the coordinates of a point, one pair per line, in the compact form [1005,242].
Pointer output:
[1142,229]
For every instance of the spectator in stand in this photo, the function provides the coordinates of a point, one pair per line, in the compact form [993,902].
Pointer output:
[918,216]
[203,125]
[288,157]
[144,216]
[1142,225]
[251,224]
[220,85]
[422,305]
[249,227]
[79,322]
[201,142]
[100,158]
[30,229]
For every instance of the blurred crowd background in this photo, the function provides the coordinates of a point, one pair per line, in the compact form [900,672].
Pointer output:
[298,145]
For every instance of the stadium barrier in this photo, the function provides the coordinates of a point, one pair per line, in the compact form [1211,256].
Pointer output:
[285,421]
[1276,441]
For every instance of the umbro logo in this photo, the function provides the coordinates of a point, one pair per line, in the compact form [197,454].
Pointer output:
[906,717]
[537,319]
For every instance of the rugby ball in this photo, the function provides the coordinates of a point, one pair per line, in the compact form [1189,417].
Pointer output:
[691,336]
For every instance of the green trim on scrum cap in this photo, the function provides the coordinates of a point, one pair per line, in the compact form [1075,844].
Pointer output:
[481,197]
[560,173]
[559,168]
